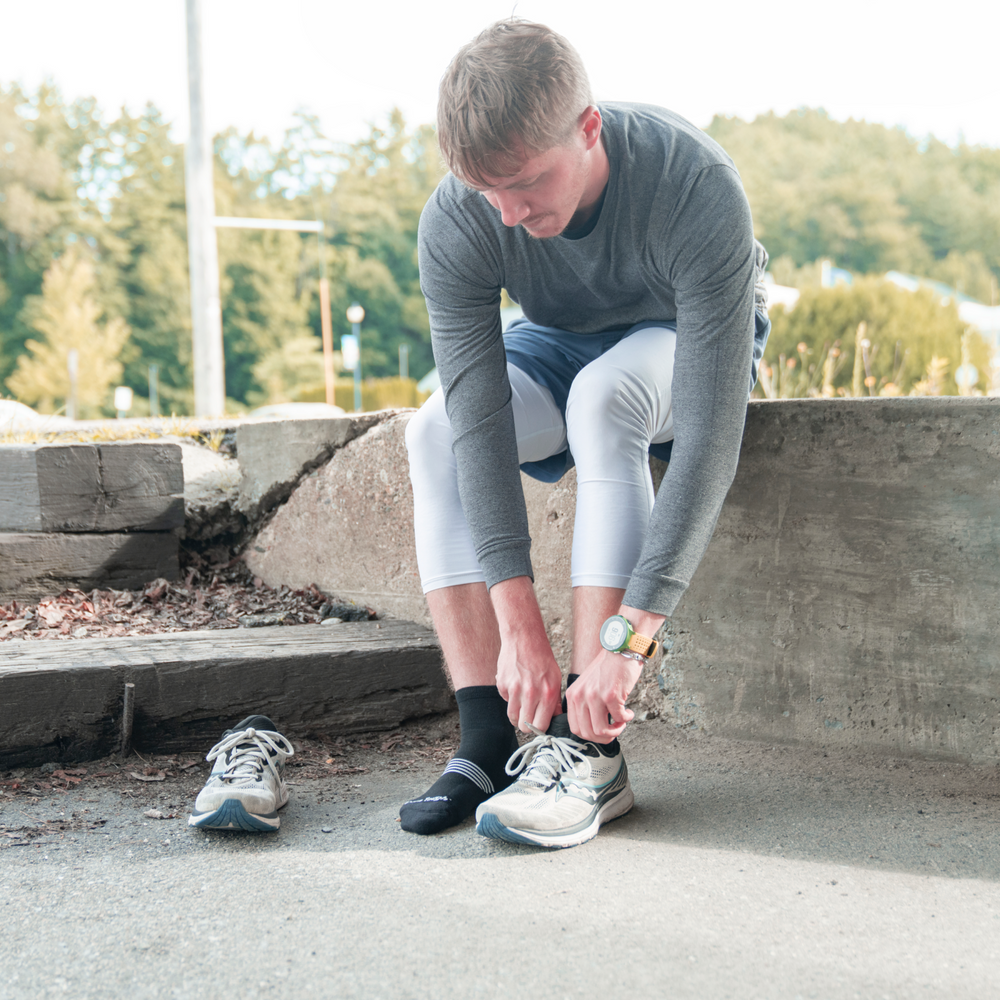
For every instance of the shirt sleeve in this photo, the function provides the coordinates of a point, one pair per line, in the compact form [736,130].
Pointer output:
[461,275]
[706,254]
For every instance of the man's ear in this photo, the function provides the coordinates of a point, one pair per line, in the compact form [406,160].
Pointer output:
[590,123]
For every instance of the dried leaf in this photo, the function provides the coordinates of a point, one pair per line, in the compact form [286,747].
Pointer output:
[159,776]
[68,776]
[52,616]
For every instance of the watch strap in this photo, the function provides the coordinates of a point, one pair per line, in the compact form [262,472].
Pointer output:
[642,644]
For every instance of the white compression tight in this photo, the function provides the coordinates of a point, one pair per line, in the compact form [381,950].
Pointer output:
[617,406]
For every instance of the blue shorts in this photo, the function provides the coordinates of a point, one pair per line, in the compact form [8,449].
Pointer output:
[553,358]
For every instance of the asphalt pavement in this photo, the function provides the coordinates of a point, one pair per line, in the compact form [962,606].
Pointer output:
[744,871]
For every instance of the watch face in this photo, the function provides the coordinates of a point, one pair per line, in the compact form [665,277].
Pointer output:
[613,634]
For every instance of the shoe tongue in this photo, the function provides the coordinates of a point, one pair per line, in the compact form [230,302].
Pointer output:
[251,722]
[559,726]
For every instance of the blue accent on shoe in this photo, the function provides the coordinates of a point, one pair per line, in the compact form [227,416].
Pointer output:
[490,826]
[232,816]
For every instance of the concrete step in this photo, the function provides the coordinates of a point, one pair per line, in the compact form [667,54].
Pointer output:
[62,700]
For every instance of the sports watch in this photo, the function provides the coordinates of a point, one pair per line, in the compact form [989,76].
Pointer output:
[618,636]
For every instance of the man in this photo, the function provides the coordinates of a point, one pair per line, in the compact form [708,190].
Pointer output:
[625,235]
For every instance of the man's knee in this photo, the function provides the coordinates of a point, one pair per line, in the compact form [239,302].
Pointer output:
[428,430]
[605,413]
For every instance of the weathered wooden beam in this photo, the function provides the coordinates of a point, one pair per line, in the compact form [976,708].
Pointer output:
[119,486]
[38,565]
[62,700]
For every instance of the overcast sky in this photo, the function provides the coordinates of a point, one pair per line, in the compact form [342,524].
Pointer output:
[932,68]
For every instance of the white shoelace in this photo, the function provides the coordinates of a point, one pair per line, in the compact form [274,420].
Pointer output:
[249,761]
[545,757]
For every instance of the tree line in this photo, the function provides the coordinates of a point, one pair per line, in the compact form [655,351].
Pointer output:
[870,199]
[93,252]
[93,247]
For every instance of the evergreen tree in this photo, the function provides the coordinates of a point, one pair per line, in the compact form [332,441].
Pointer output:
[68,317]
[871,198]
[39,149]
[142,241]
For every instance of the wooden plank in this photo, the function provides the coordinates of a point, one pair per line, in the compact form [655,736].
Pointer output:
[48,487]
[62,700]
[91,488]
[36,565]
[143,486]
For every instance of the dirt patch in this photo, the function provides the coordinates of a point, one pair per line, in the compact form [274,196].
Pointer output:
[212,595]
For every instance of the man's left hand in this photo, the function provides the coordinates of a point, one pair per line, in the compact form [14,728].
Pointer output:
[600,691]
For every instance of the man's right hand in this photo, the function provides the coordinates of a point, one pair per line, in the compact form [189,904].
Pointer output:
[528,677]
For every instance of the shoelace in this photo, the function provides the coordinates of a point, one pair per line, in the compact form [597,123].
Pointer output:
[545,757]
[249,761]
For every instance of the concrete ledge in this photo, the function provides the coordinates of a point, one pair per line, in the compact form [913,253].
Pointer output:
[62,700]
[275,454]
[849,595]
[850,592]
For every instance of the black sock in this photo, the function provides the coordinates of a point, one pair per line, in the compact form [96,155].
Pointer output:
[569,680]
[475,772]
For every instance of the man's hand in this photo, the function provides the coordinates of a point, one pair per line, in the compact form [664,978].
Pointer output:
[601,691]
[604,685]
[528,676]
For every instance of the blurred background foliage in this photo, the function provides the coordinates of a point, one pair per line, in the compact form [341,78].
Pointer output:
[871,338]
[96,204]
[112,193]
[871,200]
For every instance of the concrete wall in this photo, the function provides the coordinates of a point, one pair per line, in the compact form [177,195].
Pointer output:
[849,595]
[850,592]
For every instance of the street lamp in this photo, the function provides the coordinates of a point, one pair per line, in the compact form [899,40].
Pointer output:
[355,314]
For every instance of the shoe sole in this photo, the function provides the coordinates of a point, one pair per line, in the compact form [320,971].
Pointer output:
[231,815]
[490,826]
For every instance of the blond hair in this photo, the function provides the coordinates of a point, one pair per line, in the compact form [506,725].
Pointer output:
[516,90]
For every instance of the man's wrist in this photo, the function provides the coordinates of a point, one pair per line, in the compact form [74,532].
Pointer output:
[643,622]
[625,634]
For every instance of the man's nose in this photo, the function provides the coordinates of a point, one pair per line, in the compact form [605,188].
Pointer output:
[512,207]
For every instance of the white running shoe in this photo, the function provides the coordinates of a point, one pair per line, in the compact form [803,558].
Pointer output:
[568,787]
[245,789]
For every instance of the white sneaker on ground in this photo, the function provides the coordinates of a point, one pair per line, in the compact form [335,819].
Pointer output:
[246,787]
[568,787]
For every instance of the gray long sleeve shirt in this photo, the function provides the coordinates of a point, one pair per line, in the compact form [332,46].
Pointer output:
[674,242]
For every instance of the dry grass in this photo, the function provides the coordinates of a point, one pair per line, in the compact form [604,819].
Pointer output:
[110,431]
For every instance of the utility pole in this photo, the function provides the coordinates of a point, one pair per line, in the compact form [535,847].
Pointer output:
[203,251]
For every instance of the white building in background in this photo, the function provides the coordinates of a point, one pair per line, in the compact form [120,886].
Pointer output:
[780,295]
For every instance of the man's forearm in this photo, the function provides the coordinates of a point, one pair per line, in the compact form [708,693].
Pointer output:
[516,606]
[528,676]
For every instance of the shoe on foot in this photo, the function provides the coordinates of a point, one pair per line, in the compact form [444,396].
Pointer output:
[246,787]
[567,788]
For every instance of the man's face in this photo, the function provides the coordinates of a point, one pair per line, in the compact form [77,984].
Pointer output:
[544,195]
